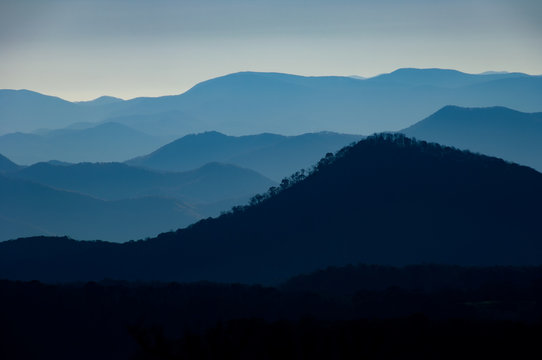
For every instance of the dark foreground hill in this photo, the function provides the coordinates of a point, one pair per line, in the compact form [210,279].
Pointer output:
[483,312]
[385,200]
[496,131]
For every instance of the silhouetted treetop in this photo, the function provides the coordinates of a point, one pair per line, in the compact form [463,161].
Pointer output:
[495,131]
[378,142]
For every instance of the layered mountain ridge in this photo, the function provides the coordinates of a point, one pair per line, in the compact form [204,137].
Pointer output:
[252,102]
[385,200]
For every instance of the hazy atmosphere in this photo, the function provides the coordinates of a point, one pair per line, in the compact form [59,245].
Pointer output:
[82,49]
[270,179]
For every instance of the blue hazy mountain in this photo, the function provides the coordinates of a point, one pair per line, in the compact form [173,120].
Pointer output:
[274,156]
[29,208]
[385,200]
[211,183]
[251,103]
[443,78]
[104,142]
[168,124]
[102,100]
[496,131]
[24,110]
[6,165]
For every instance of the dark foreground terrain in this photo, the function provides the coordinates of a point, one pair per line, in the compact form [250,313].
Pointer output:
[422,312]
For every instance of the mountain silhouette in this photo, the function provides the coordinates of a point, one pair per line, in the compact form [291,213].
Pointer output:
[274,156]
[250,102]
[104,142]
[213,182]
[24,110]
[385,200]
[170,124]
[102,100]
[6,165]
[253,102]
[444,78]
[496,131]
[32,209]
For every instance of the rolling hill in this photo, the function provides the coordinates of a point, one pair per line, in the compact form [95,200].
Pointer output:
[211,183]
[251,103]
[496,131]
[25,111]
[104,142]
[32,209]
[443,78]
[6,165]
[274,156]
[385,200]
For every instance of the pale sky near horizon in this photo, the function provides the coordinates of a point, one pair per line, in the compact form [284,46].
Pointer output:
[82,49]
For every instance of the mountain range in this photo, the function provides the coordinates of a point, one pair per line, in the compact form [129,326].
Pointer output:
[252,102]
[385,200]
[29,208]
[214,178]
[212,182]
[274,156]
[97,143]
[496,131]
[116,202]
[210,172]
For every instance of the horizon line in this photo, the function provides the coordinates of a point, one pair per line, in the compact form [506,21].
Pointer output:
[352,76]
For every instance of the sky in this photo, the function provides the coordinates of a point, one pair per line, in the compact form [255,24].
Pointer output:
[82,49]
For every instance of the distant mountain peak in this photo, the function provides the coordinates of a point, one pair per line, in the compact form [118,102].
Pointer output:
[24,94]
[454,109]
[426,70]
[211,133]
[498,131]
[102,100]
